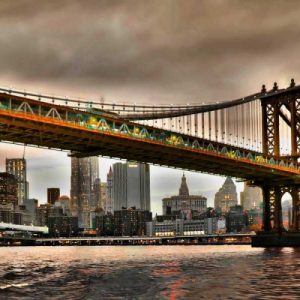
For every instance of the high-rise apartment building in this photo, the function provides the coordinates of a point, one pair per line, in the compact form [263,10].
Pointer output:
[131,186]
[85,188]
[226,197]
[17,167]
[53,195]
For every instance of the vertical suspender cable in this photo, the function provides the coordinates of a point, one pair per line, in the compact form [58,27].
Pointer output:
[216,124]
[227,126]
[203,125]
[188,129]
[209,125]
[252,127]
[250,124]
[257,125]
[196,124]
[222,129]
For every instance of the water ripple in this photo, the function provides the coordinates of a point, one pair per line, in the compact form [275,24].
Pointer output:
[150,272]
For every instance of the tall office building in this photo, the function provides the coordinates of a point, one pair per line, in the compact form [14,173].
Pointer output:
[226,197]
[17,167]
[251,197]
[53,195]
[109,204]
[85,188]
[131,186]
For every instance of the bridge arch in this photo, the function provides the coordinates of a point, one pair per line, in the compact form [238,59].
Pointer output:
[286,209]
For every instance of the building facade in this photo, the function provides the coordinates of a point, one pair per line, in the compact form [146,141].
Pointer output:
[98,202]
[184,201]
[226,197]
[85,189]
[61,224]
[104,225]
[131,222]
[109,204]
[8,189]
[181,227]
[236,219]
[6,212]
[131,186]
[53,195]
[103,195]
[42,214]
[32,205]
[15,215]
[251,197]
[17,167]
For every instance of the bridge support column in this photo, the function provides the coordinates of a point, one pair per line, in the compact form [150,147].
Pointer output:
[272,214]
[270,127]
[273,234]
[266,209]
[296,209]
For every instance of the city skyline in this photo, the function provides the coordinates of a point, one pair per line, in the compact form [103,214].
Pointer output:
[59,176]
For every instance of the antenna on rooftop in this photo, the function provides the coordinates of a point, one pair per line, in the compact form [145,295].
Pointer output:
[24,151]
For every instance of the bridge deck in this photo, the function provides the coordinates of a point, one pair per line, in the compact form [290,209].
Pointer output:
[54,133]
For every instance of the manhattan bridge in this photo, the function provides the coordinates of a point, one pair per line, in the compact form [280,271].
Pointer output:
[255,138]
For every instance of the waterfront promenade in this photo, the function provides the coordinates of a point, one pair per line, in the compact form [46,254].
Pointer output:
[221,239]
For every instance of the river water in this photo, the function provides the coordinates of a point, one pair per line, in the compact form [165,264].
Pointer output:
[149,272]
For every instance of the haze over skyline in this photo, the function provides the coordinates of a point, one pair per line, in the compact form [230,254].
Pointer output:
[142,51]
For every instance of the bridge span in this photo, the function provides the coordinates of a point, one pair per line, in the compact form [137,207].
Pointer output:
[255,138]
[84,133]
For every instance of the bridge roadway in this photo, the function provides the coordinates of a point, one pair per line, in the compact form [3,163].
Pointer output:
[35,123]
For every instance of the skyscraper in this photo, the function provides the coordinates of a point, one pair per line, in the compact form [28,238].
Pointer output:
[251,197]
[53,195]
[131,186]
[109,205]
[226,196]
[85,188]
[17,167]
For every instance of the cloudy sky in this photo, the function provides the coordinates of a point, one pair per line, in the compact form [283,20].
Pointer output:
[143,51]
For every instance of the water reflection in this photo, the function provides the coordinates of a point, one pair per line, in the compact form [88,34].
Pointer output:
[149,272]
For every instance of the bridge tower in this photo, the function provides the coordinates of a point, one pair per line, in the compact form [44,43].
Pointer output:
[281,104]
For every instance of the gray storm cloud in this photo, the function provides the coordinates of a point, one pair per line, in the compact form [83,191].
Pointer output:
[141,51]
